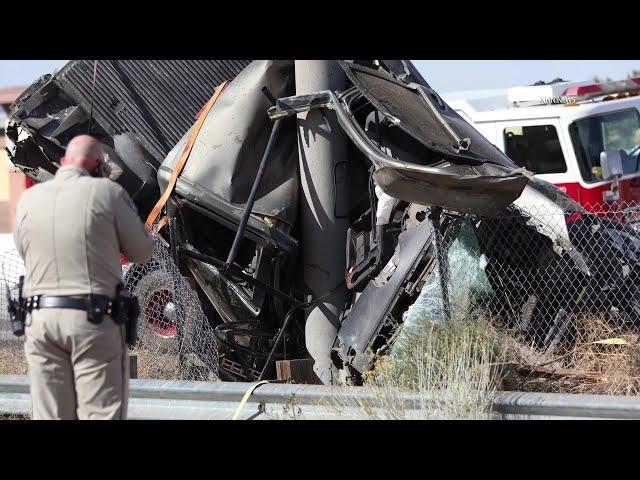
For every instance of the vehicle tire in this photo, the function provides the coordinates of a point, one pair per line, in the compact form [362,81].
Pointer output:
[157,325]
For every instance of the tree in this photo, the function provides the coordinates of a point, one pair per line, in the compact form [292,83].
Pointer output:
[597,79]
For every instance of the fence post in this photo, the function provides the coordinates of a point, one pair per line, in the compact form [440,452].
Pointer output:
[133,366]
[441,257]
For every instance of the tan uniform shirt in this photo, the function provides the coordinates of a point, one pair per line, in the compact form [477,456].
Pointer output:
[70,232]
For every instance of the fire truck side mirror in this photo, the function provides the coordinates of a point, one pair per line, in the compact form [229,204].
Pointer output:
[611,164]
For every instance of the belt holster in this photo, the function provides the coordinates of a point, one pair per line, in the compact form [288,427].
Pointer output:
[97,308]
[125,312]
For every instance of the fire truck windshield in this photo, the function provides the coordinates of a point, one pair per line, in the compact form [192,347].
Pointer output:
[609,131]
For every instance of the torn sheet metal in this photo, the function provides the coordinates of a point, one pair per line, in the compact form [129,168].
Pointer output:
[552,224]
[424,115]
[484,189]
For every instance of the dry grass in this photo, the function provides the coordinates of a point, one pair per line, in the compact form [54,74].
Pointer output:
[13,416]
[151,364]
[447,367]
[605,368]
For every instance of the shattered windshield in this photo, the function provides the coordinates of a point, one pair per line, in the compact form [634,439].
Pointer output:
[610,131]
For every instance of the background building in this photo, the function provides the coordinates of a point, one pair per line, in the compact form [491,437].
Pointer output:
[12,181]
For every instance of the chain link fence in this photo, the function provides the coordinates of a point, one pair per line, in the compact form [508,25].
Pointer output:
[175,340]
[12,267]
[564,287]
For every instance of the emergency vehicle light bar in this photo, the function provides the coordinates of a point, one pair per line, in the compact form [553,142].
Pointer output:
[569,92]
[597,89]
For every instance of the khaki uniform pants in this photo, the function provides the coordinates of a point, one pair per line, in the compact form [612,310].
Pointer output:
[78,370]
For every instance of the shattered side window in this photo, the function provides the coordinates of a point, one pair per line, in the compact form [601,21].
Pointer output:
[536,148]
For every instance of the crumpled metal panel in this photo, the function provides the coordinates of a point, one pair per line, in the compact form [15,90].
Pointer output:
[225,157]
[367,315]
[452,181]
[466,192]
[156,100]
[141,108]
[423,114]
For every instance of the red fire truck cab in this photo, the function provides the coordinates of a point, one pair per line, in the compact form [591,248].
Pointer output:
[562,131]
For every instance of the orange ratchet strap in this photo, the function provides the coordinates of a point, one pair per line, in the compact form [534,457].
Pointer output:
[183,159]
[164,221]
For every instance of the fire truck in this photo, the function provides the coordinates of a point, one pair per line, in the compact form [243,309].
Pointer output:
[583,137]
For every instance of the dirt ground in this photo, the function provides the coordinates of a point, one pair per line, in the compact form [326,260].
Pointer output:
[150,364]
[12,360]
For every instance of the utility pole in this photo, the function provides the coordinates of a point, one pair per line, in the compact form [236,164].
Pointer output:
[322,148]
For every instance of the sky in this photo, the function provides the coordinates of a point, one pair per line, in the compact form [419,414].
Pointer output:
[443,75]
[463,75]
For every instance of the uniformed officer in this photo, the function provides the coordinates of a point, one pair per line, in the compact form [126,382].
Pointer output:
[70,232]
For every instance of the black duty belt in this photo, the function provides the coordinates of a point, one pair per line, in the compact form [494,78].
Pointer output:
[92,304]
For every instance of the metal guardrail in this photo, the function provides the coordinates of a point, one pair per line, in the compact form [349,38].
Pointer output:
[165,400]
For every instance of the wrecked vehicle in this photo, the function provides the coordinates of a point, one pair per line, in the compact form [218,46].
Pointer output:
[312,200]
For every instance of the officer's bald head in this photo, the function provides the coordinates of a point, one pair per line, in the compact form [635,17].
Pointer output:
[83,151]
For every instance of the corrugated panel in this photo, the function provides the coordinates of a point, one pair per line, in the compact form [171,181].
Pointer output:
[157,100]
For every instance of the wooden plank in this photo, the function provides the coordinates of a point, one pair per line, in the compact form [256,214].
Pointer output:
[296,371]
[561,373]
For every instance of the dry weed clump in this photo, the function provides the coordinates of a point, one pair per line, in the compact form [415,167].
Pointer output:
[448,368]
[604,359]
